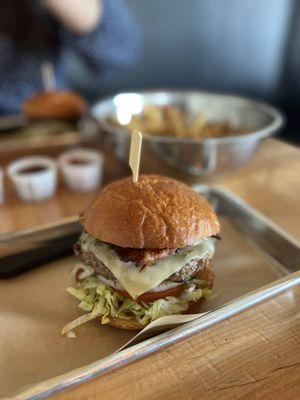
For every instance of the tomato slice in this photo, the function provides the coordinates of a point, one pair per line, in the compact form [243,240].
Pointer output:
[152,296]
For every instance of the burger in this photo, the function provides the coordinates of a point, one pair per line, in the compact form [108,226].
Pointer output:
[58,105]
[145,253]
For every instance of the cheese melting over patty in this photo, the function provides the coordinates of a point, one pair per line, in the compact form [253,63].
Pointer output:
[137,281]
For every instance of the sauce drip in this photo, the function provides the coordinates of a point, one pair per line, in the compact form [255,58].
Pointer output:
[32,169]
[79,161]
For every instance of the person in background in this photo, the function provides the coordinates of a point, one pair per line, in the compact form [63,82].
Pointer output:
[102,32]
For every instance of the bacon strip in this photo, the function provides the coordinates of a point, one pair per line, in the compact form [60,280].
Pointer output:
[143,257]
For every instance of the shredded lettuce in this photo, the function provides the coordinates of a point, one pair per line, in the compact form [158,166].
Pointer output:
[208,294]
[101,301]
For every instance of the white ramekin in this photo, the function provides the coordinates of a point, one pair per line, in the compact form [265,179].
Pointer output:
[2,192]
[37,185]
[82,177]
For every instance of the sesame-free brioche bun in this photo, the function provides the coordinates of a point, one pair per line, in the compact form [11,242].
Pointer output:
[64,105]
[155,213]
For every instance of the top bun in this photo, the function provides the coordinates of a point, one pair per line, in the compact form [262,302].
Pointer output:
[55,105]
[154,213]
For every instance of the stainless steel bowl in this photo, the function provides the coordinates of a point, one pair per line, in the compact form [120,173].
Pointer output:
[198,157]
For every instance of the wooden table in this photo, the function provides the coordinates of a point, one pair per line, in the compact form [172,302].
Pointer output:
[253,355]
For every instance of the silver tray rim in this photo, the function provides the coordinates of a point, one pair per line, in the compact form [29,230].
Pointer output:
[146,347]
[60,224]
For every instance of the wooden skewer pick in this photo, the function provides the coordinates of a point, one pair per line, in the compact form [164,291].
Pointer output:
[135,154]
[48,76]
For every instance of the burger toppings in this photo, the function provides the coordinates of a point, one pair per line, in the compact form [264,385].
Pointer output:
[102,301]
[186,272]
[136,280]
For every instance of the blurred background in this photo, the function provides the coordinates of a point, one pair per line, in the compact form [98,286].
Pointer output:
[66,124]
[249,48]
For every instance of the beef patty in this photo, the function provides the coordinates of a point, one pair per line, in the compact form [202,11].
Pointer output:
[192,269]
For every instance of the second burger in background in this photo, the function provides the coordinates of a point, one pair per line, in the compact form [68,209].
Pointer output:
[145,252]
[59,105]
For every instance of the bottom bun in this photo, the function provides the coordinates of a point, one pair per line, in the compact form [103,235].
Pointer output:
[128,324]
[194,306]
[132,325]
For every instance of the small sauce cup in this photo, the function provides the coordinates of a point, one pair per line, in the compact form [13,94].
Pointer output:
[34,178]
[81,169]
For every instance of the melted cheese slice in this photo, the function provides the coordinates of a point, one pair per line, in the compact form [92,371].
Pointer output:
[137,281]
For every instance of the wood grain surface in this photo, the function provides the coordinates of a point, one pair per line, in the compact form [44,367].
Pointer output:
[253,355]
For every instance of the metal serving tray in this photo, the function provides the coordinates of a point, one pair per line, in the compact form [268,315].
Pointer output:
[279,249]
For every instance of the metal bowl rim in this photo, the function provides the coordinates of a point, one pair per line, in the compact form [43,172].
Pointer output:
[269,130]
